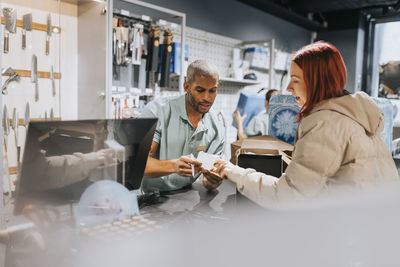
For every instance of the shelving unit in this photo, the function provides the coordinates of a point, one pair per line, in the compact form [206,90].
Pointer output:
[176,14]
[270,44]
[226,80]
[239,82]
[202,45]
[95,81]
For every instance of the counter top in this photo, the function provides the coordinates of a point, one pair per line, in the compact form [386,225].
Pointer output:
[192,207]
[194,204]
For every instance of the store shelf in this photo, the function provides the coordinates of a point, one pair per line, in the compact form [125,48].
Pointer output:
[229,80]
[237,81]
[266,70]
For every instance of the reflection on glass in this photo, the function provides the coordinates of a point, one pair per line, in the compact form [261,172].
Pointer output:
[63,158]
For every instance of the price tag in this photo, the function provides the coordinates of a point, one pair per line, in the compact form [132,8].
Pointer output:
[125,12]
[162,22]
[145,18]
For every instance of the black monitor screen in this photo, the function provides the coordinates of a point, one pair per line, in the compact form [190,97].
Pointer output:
[62,158]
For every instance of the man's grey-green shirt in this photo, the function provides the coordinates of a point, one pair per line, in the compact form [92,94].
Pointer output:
[177,137]
[258,125]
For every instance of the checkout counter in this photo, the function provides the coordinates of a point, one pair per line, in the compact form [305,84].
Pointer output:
[56,238]
[62,242]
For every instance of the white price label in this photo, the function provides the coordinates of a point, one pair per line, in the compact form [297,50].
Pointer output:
[145,18]
[125,12]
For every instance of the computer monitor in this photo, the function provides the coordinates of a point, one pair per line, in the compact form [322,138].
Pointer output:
[62,158]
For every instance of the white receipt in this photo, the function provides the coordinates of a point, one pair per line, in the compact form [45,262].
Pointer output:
[207,160]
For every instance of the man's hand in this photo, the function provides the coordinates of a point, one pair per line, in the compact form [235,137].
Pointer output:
[183,166]
[211,180]
[239,118]
[157,168]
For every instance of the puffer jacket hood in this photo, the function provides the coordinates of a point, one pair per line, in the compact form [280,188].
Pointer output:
[359,107]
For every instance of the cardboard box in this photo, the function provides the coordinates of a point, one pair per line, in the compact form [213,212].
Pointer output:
[258,57]
[262,145]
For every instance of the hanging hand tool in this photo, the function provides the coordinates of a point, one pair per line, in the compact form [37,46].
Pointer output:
[153,48]
[15,127]
[14,77]
[166,58]
[34,76]
[136,45]
[26,26]
[53,83]
[27,117]
[6,132]
[119,44]
[10,17]
[6,127]
[114,40]
[48,34]
[125,45]
[51,114]
[131,40]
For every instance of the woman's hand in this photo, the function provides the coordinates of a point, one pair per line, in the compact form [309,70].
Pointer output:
[239,121]
[222,168]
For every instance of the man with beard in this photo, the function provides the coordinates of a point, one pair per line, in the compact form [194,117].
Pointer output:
[185,127]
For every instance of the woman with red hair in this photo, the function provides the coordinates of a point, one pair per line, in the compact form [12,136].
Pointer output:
[338,141]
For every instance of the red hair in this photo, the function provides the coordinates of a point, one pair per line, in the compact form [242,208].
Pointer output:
[324,73]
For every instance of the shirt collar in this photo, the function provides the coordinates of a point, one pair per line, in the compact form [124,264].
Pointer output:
[181,108]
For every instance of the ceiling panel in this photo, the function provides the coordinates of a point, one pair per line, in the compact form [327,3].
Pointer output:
[336,5]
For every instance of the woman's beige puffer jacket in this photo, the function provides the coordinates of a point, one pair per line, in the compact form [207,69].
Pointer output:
[338,149]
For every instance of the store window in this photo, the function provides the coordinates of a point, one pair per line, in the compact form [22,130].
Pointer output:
[386,74]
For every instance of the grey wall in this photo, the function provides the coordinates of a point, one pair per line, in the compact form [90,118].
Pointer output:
[234,19]
[347,43]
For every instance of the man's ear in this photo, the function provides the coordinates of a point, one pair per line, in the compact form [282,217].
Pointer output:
[186,86]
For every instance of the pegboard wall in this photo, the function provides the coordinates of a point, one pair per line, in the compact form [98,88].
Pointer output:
[214,48]
[218,49]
